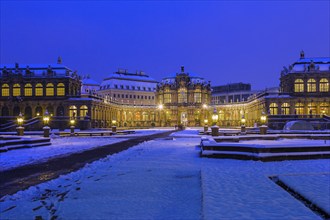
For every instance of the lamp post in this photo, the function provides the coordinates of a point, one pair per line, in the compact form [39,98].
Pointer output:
[46,128]
[206,127]
[263,127]
[160,107]
[114,128]
[243,129]
[20,128]
[72,123]
[215,128]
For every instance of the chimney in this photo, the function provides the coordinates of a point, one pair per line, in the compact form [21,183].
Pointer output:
[182,69]
[302,54]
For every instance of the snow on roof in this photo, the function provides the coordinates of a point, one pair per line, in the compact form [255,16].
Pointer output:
[130,76]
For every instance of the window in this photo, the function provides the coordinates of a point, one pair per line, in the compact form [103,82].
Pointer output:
[298,85]
[121,86]
[324,108]
[73,111]
[138,96]
[144,88]
[50,89]
[182,96]
[324,85]
[127,96]
[28,89]
[312,108]
[285,108]
[198,96]
[5,90]
[273,109]
[39,90]
[130,96]
[127,87]
[60,89]
[299,108]
[114,95]
[16,90]
[116,86]
[311,85]
[133,87]
[83,111]
[122,95]
[149,89]
[134,96]
[139,88]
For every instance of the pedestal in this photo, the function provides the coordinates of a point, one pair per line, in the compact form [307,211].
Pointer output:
[114,129]
[20,131]
[46,131]
[263,129]
[215,130]
[243,130]
[72,130]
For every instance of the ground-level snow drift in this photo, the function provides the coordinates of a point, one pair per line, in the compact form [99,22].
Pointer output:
[166,179]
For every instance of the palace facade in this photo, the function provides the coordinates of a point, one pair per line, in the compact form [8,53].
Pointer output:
[135,100]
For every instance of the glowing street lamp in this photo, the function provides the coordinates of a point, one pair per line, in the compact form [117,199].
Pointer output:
[160,107]
[46,118]
[263,127]
[46,128]
[243,121]
[215,116]
[20,128]
[114,128]
[72,123]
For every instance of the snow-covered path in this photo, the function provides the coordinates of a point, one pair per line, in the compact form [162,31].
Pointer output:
[166,179]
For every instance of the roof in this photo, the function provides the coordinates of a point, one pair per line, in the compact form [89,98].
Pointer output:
[130,76]
[36,69]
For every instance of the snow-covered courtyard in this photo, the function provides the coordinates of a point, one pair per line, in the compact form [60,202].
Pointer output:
[166,179]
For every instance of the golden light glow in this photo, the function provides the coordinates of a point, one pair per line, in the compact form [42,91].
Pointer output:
[204,106]
[39,90]
[206,121]
[16,90]
[28,89]
[20,119]
[243,120]
[160,106]
[72,122]
[60,90]
[46,118]
[5,90]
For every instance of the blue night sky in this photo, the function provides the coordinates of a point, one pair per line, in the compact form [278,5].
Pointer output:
[222,41]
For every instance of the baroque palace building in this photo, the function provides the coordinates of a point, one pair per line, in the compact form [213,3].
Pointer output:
[135,100]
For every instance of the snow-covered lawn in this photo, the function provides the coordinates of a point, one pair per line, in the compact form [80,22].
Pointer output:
[166,179]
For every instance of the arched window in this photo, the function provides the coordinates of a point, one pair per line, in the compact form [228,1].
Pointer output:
[83,110]
[324,108]
[299,108]
[5,90]
[60,89]
[16,90]
[298,85]
[39,90]
[50,89]
[285,108]
[273,109]
[312,108]
[28,89]
[197,96]
[311,85]
[182,95]
[73,111]
[324,85]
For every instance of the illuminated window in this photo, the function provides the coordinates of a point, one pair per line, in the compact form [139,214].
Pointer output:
[311,85]
[273,108]
[285,109]
[16,90]
[298,85]
[312,108]
[324,108]
[182,95]
[83,111]
[60,89]
[39,90]
[28,89]
[50,89]
[198,96]
[5,90]
[167,96]
[137,116]
[299,108]
[324,85]
[73,111]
